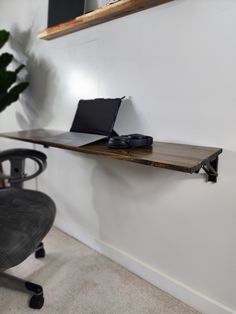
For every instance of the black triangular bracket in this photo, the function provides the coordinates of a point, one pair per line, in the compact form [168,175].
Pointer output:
[211,169]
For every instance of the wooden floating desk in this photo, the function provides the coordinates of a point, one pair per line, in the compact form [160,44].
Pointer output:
[180,157]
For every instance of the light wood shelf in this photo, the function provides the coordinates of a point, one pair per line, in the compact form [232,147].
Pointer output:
[101,15]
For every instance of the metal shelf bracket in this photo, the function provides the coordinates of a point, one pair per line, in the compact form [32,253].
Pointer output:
[211,169]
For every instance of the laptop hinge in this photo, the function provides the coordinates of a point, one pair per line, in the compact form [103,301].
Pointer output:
[114,133]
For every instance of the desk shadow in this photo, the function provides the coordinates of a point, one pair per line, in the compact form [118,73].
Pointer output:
[38,98]
[128,120]
[123,190]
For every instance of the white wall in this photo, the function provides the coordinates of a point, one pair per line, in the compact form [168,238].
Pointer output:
[177,63]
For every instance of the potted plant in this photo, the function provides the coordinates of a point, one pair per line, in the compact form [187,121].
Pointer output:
[10,86]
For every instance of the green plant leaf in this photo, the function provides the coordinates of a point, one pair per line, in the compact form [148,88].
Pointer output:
[2,102]
[5,60]
[20,67]
[17,90]
[7,78]
[8,98]
[9,94]
[1,96]
[4,36]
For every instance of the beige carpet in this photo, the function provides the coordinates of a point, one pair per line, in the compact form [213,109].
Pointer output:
[77,280]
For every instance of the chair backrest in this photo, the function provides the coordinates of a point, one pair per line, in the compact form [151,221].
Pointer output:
[17,158]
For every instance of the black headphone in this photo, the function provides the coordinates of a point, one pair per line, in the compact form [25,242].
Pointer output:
[130,141]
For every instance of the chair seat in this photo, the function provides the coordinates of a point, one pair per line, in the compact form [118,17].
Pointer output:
[25,218]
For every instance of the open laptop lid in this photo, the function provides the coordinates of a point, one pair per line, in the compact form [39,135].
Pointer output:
[96,116]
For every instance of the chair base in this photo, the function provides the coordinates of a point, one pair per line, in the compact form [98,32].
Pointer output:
[40,251]
[12,282]
[37,300]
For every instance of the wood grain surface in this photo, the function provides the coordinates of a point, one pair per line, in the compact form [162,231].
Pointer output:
[180,157]
[101,15]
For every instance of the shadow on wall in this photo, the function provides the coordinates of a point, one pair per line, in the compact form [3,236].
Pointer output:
[113,200]
[129,120]
[36,100]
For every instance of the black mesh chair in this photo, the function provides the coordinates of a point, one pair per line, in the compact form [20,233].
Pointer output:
[26,216]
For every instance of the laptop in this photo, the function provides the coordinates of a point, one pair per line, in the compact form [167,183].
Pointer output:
[94,121]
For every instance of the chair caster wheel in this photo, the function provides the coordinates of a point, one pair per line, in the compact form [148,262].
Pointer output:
[36,302]
[40,253]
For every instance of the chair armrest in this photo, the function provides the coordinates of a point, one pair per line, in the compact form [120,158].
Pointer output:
[17,158]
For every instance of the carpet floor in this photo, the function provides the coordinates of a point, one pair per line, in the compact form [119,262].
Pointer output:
[77,280]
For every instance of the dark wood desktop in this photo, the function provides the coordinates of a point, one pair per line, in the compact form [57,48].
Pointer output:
[180,157]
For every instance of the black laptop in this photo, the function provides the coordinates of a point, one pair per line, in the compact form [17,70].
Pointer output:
[94,121]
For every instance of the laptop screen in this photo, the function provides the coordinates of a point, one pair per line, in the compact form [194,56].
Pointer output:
[96,116]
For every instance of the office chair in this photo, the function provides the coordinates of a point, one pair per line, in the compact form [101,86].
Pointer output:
[26,216]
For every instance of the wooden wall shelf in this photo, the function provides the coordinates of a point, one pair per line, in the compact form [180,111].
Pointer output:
[101,15]
[180,157]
